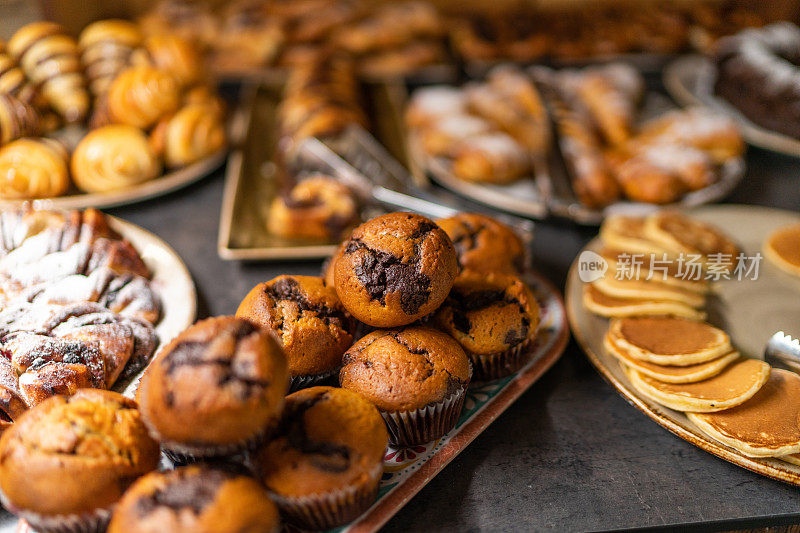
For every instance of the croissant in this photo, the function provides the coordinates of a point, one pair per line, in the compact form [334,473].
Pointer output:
[141,95]
[106,47]
[113,157]
[172,54]
[33,168]
[17,119]
[194,132]
[50,60]
[13,80]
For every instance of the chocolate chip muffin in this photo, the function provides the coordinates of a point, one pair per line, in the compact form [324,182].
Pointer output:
[484,244]
[494,317]
[67,461]
[325,461]
[215,389]
[395,269]
[329,266]
[415,376]
[198,499]
[309,320]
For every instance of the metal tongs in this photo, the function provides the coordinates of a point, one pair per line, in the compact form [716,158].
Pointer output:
[785,350]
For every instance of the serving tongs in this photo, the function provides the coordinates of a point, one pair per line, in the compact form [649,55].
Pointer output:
[784,350]
[366,167]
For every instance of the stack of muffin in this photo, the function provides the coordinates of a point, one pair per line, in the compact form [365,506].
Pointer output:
[145,101]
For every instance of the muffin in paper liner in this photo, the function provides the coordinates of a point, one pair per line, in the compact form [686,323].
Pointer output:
[181,453]
[93,522]
[502,364]
[304,382]
[418,426]
[331,509]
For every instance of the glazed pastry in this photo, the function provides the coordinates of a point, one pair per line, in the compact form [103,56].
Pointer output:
[202,499]
[206,96]
[50,59]
[196,131]
[440,136]
[33,168]
[307,317]
[395,269]
[172,54]
[106,47]
[112,158]
[483,244]
[17,119]
[141,95]
[318,207]
[490,158]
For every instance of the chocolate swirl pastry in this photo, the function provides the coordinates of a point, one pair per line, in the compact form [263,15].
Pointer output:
[195,498]
[13,81]
[395,269]
[309,320]
[106,47]
[50,59]
[17,119]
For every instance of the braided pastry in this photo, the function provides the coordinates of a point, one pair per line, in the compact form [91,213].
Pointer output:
[194,132]
[172,54]
[33,168]
[106,47]
[141,95]
[113,157]
[50,60]
[17,119]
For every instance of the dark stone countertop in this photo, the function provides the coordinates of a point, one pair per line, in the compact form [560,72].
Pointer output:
[570,454]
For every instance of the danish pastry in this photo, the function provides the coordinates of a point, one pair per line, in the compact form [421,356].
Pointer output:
[17,119]
[113,157]
[171,53]
[33,168]
[188,19]
[194,132]
[440,136]
[490,158]
[106,47]
[248,37]
[430,103]
[50,59]
[141,95]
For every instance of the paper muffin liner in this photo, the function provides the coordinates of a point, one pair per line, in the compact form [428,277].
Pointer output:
[304,382]
[185,453]
[501,364]
[418,426]
[92,522]
[331,509]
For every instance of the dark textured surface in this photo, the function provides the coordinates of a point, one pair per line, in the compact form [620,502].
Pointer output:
[570,454]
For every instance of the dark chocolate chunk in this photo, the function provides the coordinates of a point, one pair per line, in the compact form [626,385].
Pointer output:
[194,493]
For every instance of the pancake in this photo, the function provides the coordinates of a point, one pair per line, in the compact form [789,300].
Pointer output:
[680,234]
[602,304]
[767,425]
[667,273]
[782,247]
[791,459]
[669,341]
[736,384]
[641,289]
[627,233]
[671,374]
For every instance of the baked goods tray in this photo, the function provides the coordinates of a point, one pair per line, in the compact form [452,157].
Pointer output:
[690,81]
[549,190]
[750,311]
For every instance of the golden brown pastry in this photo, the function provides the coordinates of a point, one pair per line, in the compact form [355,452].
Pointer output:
[50,59]
[248,37]
[429,104]
[205,95]
[643,181]
[188,19]
[13,80]
[391,25]
[493,157]
[194,132]
[173,54]
[33,168]
[141,95]
[17,119]
[441,136]
[113,157]
[398,62]
[106,47]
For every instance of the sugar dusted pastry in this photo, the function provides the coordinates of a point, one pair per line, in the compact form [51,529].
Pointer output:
[49,58]
[33,168]
[113,157]
[490,158]
[17,119]
[106,47]
[194,132]
[441,135]
[429,103]
[141,95]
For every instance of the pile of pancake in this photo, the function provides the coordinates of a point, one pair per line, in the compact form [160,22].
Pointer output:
[674,358]
[782,247]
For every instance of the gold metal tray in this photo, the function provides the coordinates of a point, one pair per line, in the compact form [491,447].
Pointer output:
[750,311]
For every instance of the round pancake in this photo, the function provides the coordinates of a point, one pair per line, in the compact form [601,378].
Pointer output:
[667,273]
[793,459]
[602,304]
[767,425]
[669,341]
[736,384]
[627,233]
[678,233]
[641,289]
[671,374]
[782,247]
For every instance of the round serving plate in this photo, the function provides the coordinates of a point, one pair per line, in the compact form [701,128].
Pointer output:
[690,81]
[750,311]
[167,183]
